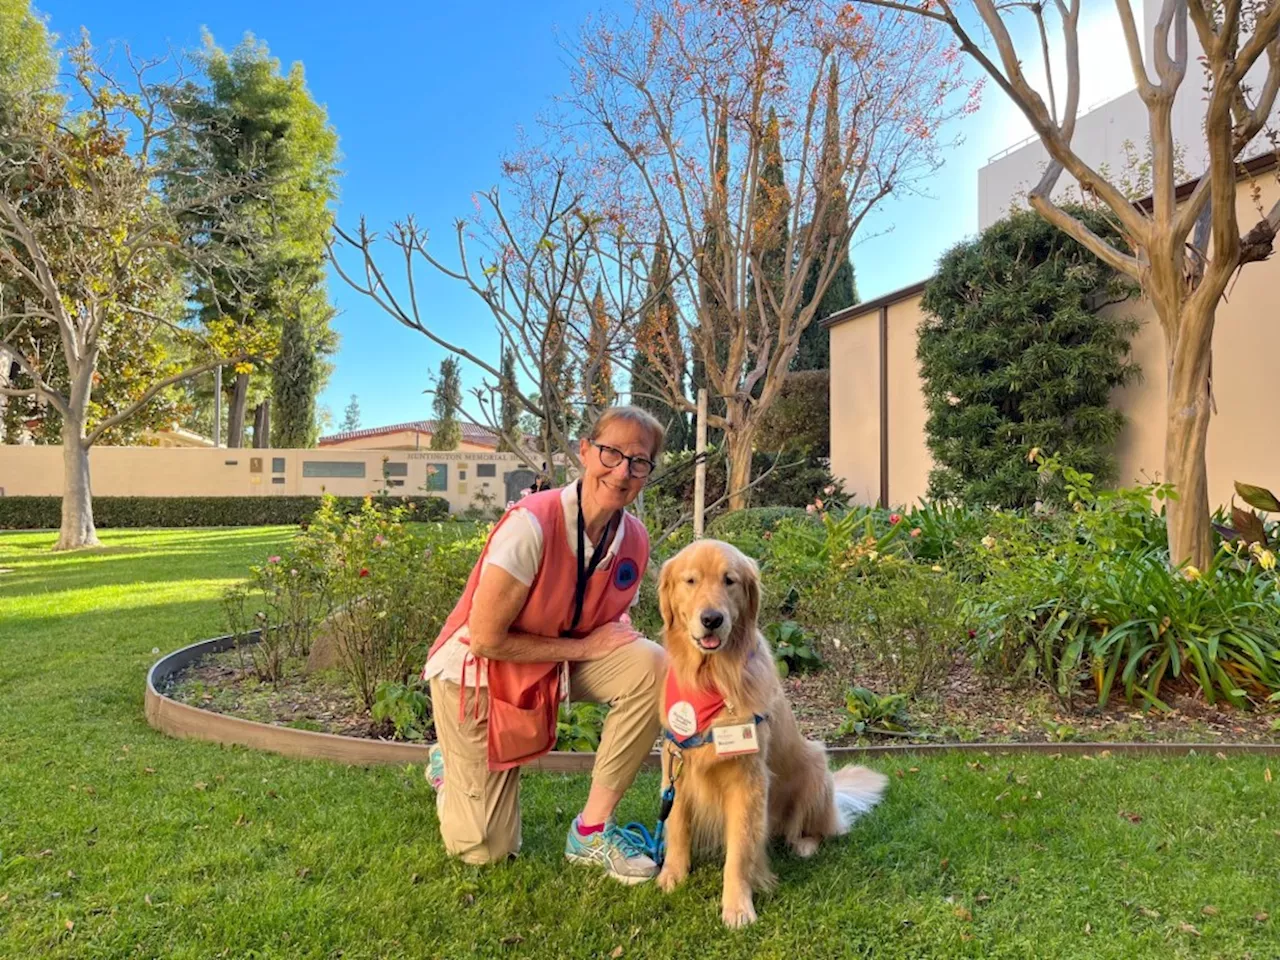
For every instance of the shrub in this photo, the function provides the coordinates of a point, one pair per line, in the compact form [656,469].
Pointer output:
[1017,353]
[749,529]
[793,481]
[579,726]
[869,712]
[45,513]
[1089,594]
[395,588]
[285,599]
[903,618]
[793,648]
[405,708]
[800,417]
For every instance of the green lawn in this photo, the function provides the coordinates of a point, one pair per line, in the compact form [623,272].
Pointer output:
[116,841]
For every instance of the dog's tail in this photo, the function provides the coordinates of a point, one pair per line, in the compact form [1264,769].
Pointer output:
[857,790]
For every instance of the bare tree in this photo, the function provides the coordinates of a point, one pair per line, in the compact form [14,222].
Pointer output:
[88,254]
[671,111]
[543,252]
[1183,254]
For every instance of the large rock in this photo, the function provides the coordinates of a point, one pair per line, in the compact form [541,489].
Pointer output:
[325,646]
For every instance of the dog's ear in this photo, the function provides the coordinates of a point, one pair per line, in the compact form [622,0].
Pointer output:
[666,584]
[751,585]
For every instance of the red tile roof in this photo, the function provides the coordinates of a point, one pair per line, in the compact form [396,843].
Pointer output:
[471,433]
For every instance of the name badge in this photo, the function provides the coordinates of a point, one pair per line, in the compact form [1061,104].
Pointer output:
[734,740]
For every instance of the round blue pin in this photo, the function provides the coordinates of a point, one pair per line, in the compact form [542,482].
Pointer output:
[626,574]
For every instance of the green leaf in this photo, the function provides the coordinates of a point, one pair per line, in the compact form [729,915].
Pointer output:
[1258,497]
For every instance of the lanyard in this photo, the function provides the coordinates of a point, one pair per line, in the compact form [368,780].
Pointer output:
[584,574]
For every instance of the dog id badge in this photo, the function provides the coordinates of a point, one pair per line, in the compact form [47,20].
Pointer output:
[736,739]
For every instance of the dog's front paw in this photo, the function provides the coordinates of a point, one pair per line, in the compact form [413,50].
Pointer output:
[738,913]
[805,846]
[671,877]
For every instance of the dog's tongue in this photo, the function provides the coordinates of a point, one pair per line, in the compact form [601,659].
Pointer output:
[710,642]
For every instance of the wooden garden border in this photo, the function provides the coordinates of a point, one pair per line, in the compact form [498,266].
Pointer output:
[185,721]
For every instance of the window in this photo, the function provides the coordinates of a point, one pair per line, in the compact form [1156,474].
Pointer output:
[462,474]
[333,468]
[277,479]
[486,469]
[277,464]
[437,476]
[395,469]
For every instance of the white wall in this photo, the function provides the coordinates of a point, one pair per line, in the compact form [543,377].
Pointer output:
[1101,133]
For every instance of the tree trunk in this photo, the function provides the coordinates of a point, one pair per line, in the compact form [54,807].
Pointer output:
[738,451]
[236,411]
[77,498]
[1186,437]
[262,424]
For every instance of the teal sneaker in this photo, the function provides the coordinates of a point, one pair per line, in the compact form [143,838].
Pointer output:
[613,849]
[434,770]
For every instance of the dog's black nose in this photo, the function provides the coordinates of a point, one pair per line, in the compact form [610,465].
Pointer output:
[711,619]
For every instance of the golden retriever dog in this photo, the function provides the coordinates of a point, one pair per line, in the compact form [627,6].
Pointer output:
[763,779]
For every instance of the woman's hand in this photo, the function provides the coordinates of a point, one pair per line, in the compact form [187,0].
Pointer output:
[605,639]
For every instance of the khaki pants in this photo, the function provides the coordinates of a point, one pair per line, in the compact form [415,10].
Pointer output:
[480,808]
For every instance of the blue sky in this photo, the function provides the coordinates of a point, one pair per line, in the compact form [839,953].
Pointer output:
[426,96]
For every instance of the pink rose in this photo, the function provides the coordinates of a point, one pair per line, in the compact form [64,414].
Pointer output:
[273,559]
[916,532]
[895,518]
[810,508]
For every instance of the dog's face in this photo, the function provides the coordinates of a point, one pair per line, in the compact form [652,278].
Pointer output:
[709,592]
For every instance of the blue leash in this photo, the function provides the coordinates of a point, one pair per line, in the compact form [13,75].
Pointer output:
[653,844]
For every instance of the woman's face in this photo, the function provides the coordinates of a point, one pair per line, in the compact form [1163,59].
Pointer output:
[612,488]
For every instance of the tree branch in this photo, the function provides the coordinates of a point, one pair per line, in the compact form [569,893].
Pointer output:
[150,395]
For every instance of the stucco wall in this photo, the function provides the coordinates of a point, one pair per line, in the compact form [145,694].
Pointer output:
[168,472]
[1242,434]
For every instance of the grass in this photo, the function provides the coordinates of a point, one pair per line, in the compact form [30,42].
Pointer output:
[116,841]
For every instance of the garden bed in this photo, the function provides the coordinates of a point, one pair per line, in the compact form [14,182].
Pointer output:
[967,708]
[320,702]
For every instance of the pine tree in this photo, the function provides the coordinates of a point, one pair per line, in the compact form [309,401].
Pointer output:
[600,392]
[558,380]
[814,349]
[446,403]
[251,117]
[770,231]
[351,415]
[714,303]
[509,413]
[295,379]
[660,347]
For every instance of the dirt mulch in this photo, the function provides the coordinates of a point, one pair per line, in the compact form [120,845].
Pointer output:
[322,702]
[967,706]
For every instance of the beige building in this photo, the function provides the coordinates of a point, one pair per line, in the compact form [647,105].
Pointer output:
[878,443]
[415,435]
[463,478]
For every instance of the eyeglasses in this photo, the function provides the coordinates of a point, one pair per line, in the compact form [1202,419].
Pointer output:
[638,467]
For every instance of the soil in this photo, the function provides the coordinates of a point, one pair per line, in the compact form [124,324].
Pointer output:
[321,701]
[967,706]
